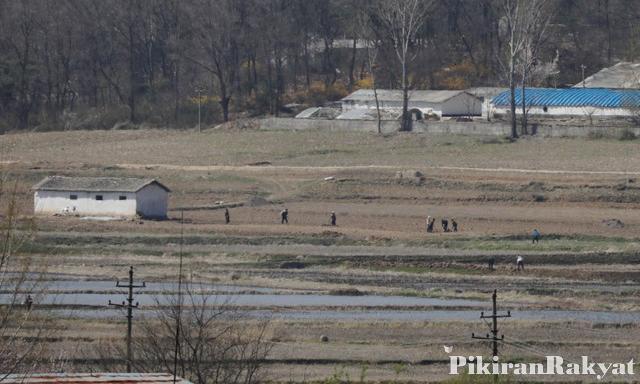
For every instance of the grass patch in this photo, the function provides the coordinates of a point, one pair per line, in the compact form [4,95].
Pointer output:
[549,243]
[424,270]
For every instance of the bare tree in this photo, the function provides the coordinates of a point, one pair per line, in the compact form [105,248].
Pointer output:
[589,111]
[402,20]
[371,48]
[217,38]
[538,14]
[20,328]
[217,344]
[513,27]
[18,29]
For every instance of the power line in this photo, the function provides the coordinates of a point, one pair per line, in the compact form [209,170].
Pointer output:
[130,307]
[512,341]
[494,328]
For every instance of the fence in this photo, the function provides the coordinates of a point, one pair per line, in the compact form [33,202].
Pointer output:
[476,127]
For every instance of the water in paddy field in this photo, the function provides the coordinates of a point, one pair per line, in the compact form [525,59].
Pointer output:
[91,298]
[387,315]
[253,300]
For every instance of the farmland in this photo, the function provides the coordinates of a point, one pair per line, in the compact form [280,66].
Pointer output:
[578,294]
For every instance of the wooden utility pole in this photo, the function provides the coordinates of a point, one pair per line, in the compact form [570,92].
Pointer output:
[494,327]
[179,314]
[130,306]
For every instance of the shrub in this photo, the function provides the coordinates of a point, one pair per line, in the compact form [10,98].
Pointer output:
[539,198]
[627,134]
[595,135]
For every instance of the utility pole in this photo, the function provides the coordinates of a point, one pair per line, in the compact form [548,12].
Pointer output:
[494,328]
[130,306]
[179,316]
[199,91]
[583,68]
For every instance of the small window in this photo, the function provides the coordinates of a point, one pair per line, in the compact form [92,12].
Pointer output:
[122,198]
[98,197]
[73,197]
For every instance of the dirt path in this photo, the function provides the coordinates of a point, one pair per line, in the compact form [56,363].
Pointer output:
[262,168]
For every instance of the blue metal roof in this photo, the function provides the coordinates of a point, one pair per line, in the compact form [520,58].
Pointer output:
[573,97]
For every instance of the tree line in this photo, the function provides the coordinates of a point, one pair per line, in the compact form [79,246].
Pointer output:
[71,64]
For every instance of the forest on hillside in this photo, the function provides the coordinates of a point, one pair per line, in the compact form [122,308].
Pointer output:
[89,64]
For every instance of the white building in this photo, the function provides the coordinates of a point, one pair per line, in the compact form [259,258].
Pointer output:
[421,103]
[486,94]
[624,75]
[581,102]
[101,196]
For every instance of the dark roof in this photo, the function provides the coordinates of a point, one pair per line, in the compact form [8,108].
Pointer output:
[95,184]
[91,378]
[574,97]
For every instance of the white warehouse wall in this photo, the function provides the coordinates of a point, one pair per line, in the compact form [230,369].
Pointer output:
[152,201]
[52,202]
[567,111]
[460,105]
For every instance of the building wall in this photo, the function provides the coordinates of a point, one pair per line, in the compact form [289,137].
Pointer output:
[366,104]
[462,105]
[52,202]
[152,202]
[568,111]
[459,105]
[476,127]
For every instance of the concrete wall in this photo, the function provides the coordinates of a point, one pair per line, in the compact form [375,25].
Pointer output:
[470,128]
[286,124]
[425,108]
[52,202]
[463,104]
[567,111]
[582,131]
[476,127]
[152,202]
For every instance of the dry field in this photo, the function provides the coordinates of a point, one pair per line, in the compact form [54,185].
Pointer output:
[497,191]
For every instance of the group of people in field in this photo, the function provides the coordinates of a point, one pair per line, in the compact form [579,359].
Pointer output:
[284,217]
[535,238]
[444,222]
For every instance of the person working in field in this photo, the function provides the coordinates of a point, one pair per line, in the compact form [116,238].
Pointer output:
[445,224]
[454,224]
[430,222]
[520,263]
[492,263]
[333,219]
[535,236]
[227,216]
[284,216]
[28,302]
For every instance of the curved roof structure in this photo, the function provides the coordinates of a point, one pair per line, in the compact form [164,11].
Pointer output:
[573,97]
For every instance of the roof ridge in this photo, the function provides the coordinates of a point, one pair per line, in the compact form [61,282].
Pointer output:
[96,183]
